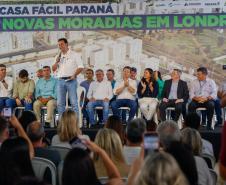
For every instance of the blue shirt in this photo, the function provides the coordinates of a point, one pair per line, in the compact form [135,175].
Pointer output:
[173,91]
[46,88]
[86,84]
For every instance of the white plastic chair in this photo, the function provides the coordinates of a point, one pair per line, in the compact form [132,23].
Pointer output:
[214,176]
[204,109]
[40,165]
[63,151]
[168,116]
[210,160]
[80,90]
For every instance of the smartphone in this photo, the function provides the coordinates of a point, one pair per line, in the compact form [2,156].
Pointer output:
[7,112]
[77,143]
[151,143]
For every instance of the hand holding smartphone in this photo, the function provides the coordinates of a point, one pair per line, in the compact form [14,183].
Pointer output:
[151,143]
[7,112]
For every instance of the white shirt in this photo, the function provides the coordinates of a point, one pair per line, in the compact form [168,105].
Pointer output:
[100,90]
[131,153]
[125,94]
[69,62]
[6,92]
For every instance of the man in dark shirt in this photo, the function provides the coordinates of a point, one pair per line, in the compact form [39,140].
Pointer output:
[36,133]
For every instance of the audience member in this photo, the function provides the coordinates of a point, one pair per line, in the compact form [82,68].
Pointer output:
[99,94]
[86,83]
[39,73]
[125,91]
[26,118]
[202,93]
[159,168]
[134,138]
[133,74]
[79,167]
[147,93]
[68,128]
[185,160]
[222,163]
[192,138]
[222,93]
[158,79]
[36,133]
[108,140]
[175,94]
[168,131]
[23,91]
[115,123]
[193,120]
[4,130]
[110,77]
[15,161]
[6,86]
[45,93]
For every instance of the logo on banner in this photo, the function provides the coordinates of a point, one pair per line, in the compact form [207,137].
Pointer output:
[212,4]
[193,4]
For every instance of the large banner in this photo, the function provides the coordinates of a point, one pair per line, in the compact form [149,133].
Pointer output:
[159,34]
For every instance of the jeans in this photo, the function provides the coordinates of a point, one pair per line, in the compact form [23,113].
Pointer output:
[91,106]
[62,88]
[115,105]
[3,101]
[209,105]
[171,103]
[12,103]
[218,112]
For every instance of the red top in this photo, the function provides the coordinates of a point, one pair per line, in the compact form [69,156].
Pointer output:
[223,146]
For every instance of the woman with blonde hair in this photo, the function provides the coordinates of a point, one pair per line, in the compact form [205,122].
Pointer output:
[109,140]
[68,129]
[158,169]
[192,138]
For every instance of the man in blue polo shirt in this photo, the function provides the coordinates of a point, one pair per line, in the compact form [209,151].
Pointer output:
[45,94]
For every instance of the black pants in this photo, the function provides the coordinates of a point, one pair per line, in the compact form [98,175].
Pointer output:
[209,105]
[171,103]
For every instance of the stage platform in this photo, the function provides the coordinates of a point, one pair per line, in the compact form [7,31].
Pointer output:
[213,136]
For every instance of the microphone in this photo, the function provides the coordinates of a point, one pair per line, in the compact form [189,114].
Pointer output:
[58,58]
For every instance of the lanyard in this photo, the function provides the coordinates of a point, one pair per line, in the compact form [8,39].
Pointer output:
[201,87]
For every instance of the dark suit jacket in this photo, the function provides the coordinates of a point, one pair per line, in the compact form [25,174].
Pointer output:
[182,90]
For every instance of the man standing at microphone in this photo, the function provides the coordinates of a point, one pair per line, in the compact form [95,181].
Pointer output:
[68,65]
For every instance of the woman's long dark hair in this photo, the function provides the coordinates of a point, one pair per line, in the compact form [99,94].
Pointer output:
[152,76]
[79,169]
[14,161]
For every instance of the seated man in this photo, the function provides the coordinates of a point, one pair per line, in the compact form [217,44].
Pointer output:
[125,91]
[6,86]
[175,94]
[203,92]
[45,93]
[134,138]
[99,94]
[36,133]
[86,83]
[23,91]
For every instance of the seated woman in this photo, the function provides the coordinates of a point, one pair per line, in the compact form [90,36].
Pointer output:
[115,123]
[147,92]
[15,162]
[109,140]
[192,138]
[79,168]
[68,129]
[158,168]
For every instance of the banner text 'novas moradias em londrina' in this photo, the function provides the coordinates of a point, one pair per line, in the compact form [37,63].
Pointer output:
[112,22]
